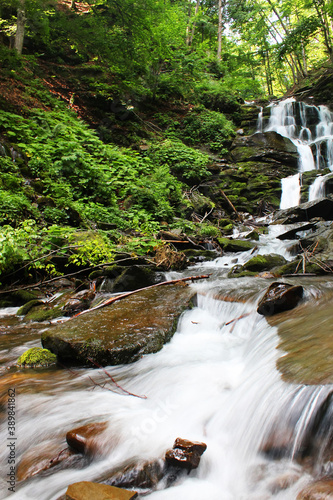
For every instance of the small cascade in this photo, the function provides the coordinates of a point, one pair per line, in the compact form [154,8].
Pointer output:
[317,188]
[260,120]
[310,128]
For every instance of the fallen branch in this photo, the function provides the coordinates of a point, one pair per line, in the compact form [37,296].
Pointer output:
[114,382]
[237,319]
[127,294]
[232,206]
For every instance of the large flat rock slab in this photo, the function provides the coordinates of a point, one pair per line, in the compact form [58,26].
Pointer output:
[123,331]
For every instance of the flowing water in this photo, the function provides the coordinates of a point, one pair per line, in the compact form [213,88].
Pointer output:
[216,382]
[310,128]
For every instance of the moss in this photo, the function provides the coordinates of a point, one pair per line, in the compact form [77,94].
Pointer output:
[37,356]
[18,298]
[40,313]
[229,245]
[26,307]
[264,262]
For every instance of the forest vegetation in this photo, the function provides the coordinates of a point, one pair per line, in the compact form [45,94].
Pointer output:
[113,113]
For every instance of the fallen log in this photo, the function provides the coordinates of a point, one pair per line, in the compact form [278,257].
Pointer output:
[127,294]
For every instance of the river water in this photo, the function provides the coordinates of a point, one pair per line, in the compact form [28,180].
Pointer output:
[310,128]
[215,382]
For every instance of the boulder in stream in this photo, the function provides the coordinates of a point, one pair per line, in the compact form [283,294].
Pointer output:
[87,490]
[279,297]
[322,207]
[319,490]
[122,332]
[257,264]
[36,356]
[185,454]
[231,245]
[84,439]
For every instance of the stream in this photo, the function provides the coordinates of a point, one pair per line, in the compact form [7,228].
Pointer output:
[213,382]
[216,381]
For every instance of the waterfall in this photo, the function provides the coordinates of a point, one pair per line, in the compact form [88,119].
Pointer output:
[310,128]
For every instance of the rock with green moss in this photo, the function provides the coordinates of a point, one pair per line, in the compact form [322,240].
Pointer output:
[230,245]
[18,298]
[36,356]
[29,305]
[43,312]
[122,332]
[257,264]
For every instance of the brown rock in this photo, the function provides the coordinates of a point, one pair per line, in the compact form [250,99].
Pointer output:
[86,490]
[84,439]
[279,297]
[44,457]
[185,454]
[320,490]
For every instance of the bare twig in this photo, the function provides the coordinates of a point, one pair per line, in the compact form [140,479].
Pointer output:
[113,380]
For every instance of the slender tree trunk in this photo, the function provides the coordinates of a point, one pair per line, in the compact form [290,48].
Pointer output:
[188,34]
[325,27]
[197,6]
[20,27]
[219,31]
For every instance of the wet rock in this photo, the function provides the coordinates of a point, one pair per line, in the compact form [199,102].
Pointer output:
[185,454]
[127,278]
[283,482]
[45,457]
[84,439]
[122,332]
[279,297]
[278,442]
[44,312]
[230,245]
[265,146]
[200,255]
[79,302]
[258,264]
[319,490]
[36,356]
[142,475]
[86,490]
[29,305]
[18,298]
[306,211]
[291,233]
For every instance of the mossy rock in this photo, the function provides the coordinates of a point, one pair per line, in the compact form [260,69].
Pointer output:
[26,307]
[37,356]
[18,298]
[43,313]
[229,245]
[256,265]
[264,262]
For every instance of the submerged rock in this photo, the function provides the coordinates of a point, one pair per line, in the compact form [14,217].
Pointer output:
[141,475]
[122,332]
[44,457]
[319,490]
[279,297]
[86,490]
[36,356]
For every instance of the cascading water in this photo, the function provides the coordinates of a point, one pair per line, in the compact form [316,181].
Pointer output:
[216,381]
[310,128]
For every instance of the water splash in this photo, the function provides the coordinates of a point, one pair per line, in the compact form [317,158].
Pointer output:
[310,128]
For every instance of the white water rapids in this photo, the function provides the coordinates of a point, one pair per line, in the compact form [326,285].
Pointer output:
[214,382]
[310,128]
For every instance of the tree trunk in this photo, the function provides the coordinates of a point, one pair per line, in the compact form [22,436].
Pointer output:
[20,27]
[197,6]
[219,31]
